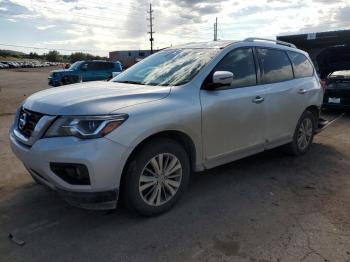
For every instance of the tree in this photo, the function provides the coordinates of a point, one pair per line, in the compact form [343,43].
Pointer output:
[33,55]
[54,56]
[78,56]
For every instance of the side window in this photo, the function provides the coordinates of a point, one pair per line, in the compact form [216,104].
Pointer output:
[302,66]
[84,66]
[275,65]
[241,63]
[99,66]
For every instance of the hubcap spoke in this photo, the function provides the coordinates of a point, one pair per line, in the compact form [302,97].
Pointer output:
[147,179]
[155,166]
[171,164]
[147,185]
[171,190]
[160,162]
[151,172]
[174,176]
[173,183]
[173,170]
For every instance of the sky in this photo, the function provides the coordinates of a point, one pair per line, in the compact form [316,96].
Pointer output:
[98,27]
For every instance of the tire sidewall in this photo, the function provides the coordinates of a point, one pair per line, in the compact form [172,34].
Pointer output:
[136,166]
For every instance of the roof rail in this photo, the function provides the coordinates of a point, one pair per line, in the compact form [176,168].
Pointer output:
[278,42]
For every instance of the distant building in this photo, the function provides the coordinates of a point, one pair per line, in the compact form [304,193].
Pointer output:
[129,57]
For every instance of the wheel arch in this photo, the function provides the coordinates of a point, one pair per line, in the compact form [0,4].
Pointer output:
[315,111]
[178,136]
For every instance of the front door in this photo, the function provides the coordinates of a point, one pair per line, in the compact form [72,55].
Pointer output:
[87,71]
[233,116]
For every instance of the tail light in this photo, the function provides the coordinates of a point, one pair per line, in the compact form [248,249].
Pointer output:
[323,84]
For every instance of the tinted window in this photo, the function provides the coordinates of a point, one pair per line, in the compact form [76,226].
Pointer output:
[302,66]
[93,66]
[241,63]
[275,65]
[109,65]
[86,67]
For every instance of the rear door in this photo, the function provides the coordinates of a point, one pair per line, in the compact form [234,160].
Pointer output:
[284,95]
[306,85]
[103,70]
[233,116]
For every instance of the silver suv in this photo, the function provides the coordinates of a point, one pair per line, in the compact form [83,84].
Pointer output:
[181,110]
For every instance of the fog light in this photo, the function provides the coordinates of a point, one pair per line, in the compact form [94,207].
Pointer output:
[75,174]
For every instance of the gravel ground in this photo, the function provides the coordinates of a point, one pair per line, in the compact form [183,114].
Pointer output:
[269,207]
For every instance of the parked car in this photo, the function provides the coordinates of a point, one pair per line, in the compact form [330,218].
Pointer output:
[337,90]
[10,64]
[3,66]
[181,110]
[334,70]
[84,71]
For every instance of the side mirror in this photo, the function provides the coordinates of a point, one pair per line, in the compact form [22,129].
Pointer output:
[222,78]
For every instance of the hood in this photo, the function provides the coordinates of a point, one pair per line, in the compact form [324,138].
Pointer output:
[335,58]
[93,98]
[61,71]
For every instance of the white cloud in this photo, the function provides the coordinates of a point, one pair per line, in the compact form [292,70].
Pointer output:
[45,27]
[121,24]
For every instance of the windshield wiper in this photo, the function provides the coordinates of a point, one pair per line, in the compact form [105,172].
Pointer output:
[130,82]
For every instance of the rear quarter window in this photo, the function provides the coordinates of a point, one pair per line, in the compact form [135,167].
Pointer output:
[301,65]
[275,65]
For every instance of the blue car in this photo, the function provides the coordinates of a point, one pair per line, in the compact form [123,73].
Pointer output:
[83,71]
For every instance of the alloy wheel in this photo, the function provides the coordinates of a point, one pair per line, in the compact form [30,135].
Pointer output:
[160,179]
[305,133]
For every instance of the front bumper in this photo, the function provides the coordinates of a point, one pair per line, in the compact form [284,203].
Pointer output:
[103,158]
[53,82]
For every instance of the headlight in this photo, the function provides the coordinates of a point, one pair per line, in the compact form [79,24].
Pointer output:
[85,126]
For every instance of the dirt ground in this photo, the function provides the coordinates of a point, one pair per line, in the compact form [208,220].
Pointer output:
[269,207]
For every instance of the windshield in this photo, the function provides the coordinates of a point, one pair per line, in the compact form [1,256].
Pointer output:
[169,67]
[75,65]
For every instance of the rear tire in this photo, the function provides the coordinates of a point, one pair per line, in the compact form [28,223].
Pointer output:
[156,177]
[303,135]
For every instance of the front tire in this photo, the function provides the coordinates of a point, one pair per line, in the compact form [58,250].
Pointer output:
[303,135]
[156,177]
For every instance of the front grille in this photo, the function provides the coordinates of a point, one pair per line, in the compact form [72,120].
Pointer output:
[27,121]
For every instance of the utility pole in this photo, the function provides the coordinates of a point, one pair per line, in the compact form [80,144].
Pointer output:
[216,30]
[151,32]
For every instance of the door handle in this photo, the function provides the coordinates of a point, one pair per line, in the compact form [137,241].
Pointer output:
[258,100]
[302,91]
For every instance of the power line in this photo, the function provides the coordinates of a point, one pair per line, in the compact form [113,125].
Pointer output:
[151,32]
